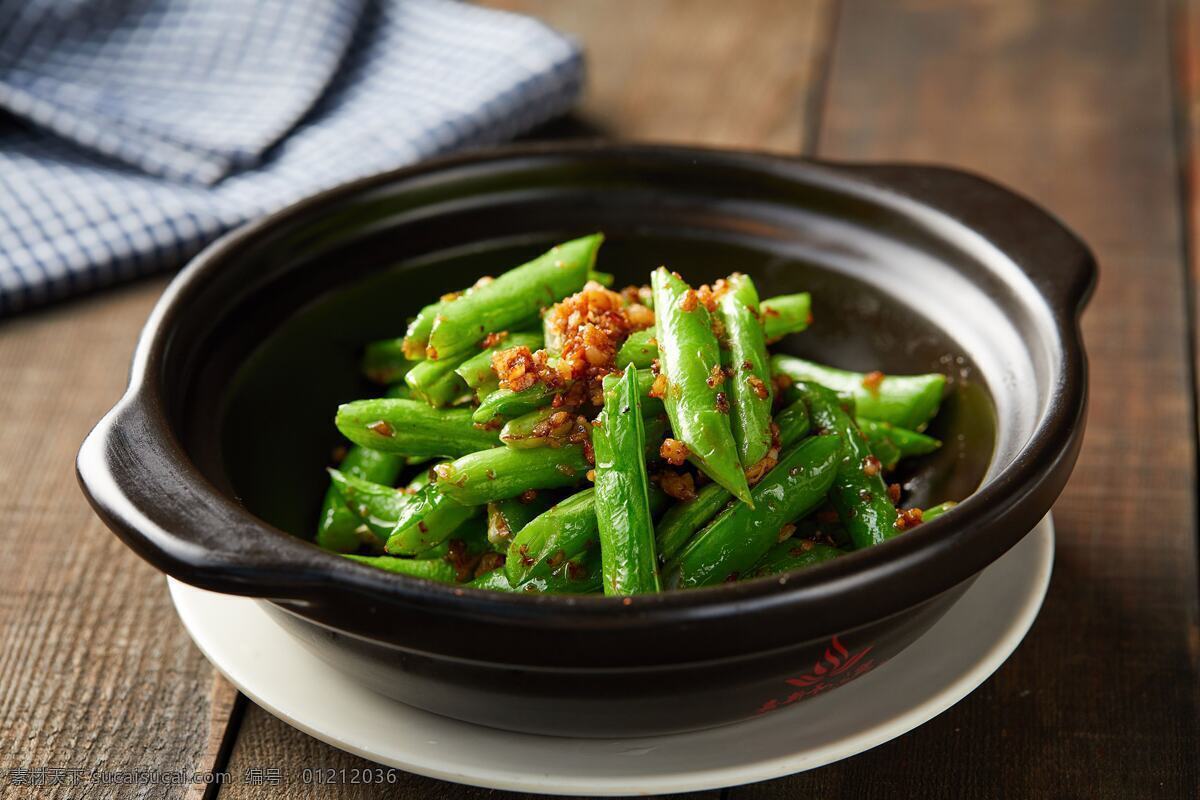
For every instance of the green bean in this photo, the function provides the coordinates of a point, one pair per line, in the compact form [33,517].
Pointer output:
[733,543]
[502,472]
[907,401]
[859,493]
[436,382]
[651,406]
[792,555]
[412,428]
[750,377]
[630,565]
[791,315]
[450,390]
[657,427]
[508,404]
[832,530]
[470,537]
[339,530]
[513,299]
[434,569]
[427,521]
[476,371]
[416,338]
[486,388]
[337,526]
[792,395]
[535,430]
[507,518]
[696,403]
[605,279]
[793,422]
[579,575]
[384,361]
[564,530]
[906,443]
[936,511]
[561,532]
[375,505]
[493,581]
[886,451]
[640,349]
[788,313]
[439,550]
[421,479]
[682,520]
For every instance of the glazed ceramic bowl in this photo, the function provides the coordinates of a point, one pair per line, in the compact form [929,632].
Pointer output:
[211,465]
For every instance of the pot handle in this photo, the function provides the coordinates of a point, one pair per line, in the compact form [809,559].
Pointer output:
[133,472]
[1056,260]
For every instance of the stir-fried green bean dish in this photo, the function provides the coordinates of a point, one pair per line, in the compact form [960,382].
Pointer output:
[541,431]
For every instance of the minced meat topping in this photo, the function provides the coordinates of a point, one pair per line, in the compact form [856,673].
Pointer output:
[589,327]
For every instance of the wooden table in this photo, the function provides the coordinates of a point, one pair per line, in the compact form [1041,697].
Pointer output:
[1092,108]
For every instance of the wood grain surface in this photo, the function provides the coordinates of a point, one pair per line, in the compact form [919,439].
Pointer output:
[1070,103]
[713,72]
[1092,108]
[96,672]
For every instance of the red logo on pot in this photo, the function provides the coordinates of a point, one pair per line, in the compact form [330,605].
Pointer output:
[836,667]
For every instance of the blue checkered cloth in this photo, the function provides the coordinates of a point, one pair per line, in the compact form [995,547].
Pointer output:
[133,132]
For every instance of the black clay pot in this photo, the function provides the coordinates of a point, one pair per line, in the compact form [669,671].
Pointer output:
[210,466]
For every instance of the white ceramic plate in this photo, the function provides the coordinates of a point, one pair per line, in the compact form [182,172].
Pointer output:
[957,654]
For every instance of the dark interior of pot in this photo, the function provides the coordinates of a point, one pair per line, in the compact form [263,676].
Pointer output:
[285,349]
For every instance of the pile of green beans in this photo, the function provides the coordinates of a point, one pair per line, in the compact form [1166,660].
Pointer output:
[685,454]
